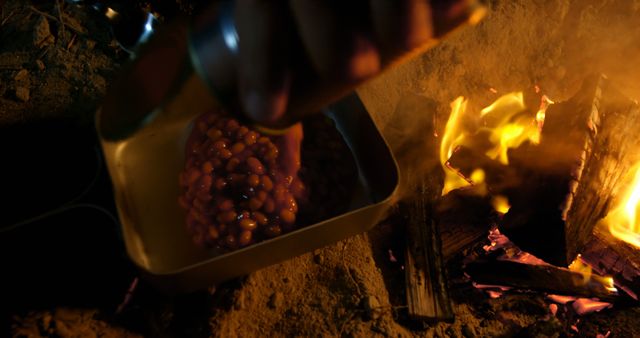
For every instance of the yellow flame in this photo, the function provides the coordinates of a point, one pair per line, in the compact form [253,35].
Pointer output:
[501,204]
[579,266]
[453,134]
[506,124]
[508,127]
[623,221]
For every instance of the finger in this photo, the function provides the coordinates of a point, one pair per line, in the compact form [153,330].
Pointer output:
[401,26]
[263,75]
[336,37]
[289,145]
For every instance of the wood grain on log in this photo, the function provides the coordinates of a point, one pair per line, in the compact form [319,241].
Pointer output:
[613,257]
[425,277]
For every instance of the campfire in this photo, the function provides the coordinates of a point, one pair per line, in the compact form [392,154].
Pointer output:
[554,185]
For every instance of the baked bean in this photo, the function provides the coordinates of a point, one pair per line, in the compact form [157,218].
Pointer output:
[219,145]
[232,164]
[269,206]
[251,138]
[220,184]
[214,134]
[260,218]
[207,168]
[263,140]
[255,204]
[226,205]
[247,224]
[232,125]
[287,216]
[261,195]
[225,154]
[237,148]
[193,176]
[213,232]
[242,131]
[266,183]
[227,216]
[245,238]
[255,165]
[253,180]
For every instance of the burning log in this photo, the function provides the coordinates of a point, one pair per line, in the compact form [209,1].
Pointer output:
[544,278]
[611,256]
[425,279]
[463,219]
[560,189]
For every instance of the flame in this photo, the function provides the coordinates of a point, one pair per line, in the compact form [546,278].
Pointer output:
[505,123]
[623,221]
[501,204]
[453,135]
[579,266]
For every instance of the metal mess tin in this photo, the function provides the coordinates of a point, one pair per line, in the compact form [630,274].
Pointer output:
[144,169]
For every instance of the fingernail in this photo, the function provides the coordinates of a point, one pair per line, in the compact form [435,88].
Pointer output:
[365,61]
[265,108]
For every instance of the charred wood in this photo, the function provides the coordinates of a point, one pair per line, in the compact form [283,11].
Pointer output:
[561,188]
[613,257]
[545,278]
[425,276]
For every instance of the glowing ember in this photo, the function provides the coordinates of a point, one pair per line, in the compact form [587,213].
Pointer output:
[503,125]
[583,306]
[623,220]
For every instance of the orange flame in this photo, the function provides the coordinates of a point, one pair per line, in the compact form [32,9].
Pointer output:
[623,221]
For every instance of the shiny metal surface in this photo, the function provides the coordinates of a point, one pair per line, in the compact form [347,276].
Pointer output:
[144,169]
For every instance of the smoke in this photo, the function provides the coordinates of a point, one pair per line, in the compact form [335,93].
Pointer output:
[554,44]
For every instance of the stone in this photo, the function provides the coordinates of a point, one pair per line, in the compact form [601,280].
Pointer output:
[40,64]
[276,300]
[42,33]
[22,93]
[22,75]
[468,331]
[372,307]
[318,259]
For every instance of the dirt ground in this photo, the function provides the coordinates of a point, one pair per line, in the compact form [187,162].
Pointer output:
[51,71]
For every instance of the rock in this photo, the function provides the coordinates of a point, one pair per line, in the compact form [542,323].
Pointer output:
[22,93]
[372,307]
[46,321]
[450,332]
[240,301]
[90,44]
[22,75]
[276,300]
[42,33]
[318,259]
[468,331]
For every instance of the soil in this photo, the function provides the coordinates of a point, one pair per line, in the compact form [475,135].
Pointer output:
[51,72]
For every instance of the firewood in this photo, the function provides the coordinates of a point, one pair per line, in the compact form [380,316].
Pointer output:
[559,189]
[464,218]
[425,278]
[613,257]
[545,278]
